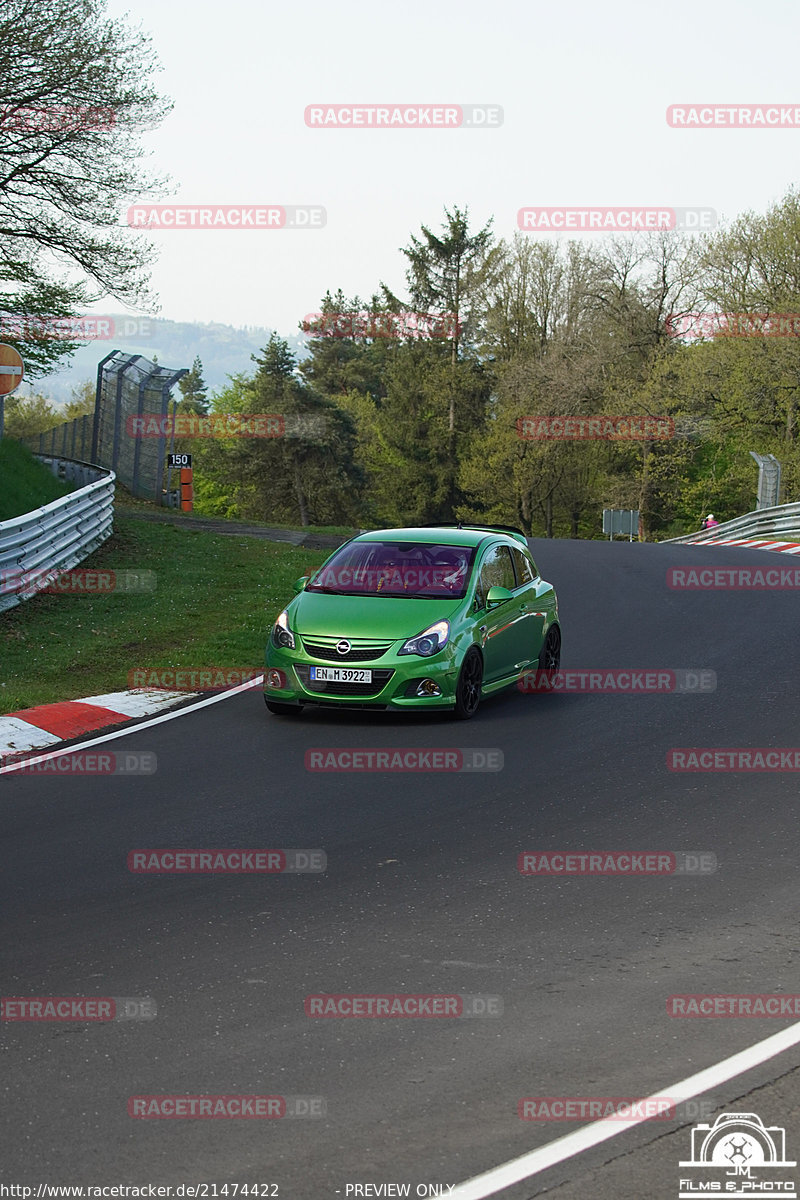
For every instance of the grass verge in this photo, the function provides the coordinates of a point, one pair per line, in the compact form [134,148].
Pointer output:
[25,483]
[216,597]
[125,503]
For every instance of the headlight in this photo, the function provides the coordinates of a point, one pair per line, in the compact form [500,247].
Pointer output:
[429,642]
[281,634]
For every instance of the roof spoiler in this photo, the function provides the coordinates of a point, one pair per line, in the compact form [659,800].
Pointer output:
[509,529]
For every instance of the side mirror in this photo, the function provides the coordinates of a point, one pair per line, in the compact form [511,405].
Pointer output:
[497,595]
[299,584]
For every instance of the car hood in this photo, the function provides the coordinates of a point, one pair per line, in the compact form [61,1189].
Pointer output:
[366,616]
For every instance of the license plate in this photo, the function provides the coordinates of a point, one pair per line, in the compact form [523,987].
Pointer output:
[340,675]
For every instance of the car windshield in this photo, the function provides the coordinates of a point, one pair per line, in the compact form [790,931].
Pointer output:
[415,570]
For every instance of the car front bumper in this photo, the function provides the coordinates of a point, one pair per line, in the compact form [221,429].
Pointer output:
[395,679]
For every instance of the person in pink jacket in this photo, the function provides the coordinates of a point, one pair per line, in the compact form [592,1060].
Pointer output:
[710,521]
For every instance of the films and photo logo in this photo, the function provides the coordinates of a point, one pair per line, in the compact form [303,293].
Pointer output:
[737,1156]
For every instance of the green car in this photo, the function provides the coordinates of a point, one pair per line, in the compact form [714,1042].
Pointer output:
[427,618]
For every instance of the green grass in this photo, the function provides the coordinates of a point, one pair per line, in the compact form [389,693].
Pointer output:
[25,483]
[126,502]
[339,530]
[216,597]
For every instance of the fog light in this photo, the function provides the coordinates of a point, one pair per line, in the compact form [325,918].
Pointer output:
[429,687]
[276,679]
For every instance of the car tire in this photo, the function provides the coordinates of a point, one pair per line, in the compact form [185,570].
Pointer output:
[468,687]
[283,710]
[550,653]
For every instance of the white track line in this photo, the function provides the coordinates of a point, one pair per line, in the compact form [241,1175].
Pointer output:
[565,1147]
[118,733]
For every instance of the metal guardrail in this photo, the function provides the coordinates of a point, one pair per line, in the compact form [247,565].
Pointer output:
[36,547]
[781,522]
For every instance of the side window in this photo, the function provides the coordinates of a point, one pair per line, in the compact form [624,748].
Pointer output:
[497,571]
[522,565]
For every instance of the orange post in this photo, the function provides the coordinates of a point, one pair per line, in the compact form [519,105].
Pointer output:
[187,491]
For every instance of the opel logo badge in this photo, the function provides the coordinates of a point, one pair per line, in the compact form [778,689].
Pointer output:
[343,646]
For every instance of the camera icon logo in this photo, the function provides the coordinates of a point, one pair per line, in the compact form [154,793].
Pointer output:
[740,1147]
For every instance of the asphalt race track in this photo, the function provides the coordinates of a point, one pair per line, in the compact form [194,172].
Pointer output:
[421,895]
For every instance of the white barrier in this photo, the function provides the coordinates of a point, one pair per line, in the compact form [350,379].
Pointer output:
[36,547]
[781,523]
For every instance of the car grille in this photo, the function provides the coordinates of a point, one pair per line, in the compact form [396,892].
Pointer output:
[379,682]
[358,652]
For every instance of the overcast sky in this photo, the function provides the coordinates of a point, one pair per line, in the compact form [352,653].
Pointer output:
[584,88]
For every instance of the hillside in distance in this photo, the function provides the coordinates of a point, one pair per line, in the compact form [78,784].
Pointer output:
[223,349]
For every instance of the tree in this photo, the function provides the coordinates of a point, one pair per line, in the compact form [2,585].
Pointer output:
[342,358]
[306,476]
[538,291]
[447,274]
[26,416]
[754,265]
[75,95]
[83,400]
[194,391]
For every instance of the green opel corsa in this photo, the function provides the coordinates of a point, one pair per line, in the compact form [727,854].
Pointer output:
[427,618]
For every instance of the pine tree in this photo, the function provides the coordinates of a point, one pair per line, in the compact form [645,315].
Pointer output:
[194,391]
